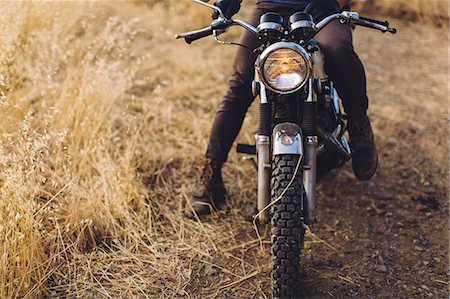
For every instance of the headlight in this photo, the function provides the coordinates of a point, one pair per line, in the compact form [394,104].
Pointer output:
[284,67]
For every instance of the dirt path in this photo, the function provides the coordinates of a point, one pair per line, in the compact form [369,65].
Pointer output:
[383,238]
[387,237]
[392,231]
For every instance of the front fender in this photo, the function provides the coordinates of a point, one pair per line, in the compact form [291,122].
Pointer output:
[287,139]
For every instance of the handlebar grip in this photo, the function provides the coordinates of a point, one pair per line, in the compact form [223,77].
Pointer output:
[382,23]
[392,30]
[198,34]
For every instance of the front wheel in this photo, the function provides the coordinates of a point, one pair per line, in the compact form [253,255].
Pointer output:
[287,226]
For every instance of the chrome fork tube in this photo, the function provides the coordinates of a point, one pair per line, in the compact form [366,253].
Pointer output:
[264,168]
[311,143]
[309,177]
[263,150]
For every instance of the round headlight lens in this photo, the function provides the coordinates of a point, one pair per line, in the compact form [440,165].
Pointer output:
[285,70]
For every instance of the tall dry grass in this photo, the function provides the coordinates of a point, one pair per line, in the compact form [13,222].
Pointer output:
[64,172]
[71,140]
[434,12]
[97,138]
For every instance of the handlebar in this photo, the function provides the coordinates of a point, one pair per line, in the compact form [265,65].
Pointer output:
[344,17]
[218,24]
[354,18]
[385,25]
[191,36]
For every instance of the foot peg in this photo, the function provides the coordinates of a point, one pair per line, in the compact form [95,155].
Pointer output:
[246,149]
[332,140]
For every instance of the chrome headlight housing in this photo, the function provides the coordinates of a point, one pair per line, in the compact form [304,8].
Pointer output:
[284,67]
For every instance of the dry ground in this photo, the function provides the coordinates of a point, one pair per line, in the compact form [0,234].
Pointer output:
[105,119]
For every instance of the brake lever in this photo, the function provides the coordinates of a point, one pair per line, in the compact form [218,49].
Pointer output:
[355,18]
[381,23]
[218,25]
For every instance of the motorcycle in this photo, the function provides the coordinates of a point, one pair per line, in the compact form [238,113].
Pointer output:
[301,134]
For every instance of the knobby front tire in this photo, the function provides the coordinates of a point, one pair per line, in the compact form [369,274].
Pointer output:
[287,227]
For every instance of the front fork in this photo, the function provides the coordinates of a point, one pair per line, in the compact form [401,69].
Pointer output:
[264,157]
[264,172]
[308,150]
[311,143]
[309,178]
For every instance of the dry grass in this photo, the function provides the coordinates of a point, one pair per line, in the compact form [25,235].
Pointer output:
[92,146]
[99,143]
[428,11]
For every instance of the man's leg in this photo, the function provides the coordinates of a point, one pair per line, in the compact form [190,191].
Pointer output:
[232,110]
[231,113]
[344,67]
[227,123]
[346,70]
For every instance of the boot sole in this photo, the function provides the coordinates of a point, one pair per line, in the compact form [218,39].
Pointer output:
[368,176]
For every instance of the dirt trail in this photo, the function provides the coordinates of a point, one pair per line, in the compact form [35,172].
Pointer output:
[383,238]
[387,237]
[392,231]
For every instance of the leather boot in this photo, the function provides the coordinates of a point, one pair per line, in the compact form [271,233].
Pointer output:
[211,192]
[362,144]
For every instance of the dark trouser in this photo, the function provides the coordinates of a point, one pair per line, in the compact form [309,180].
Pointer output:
[342,64]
